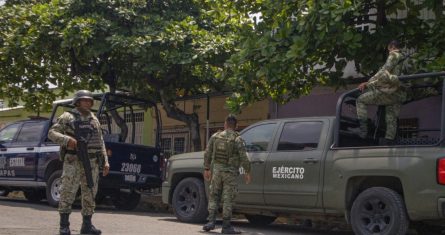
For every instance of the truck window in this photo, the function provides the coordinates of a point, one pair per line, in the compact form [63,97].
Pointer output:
[300,136]
[259,137]
[7,134]
[31,132]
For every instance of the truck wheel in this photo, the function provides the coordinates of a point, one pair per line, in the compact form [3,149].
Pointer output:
[189,201]
[260,219]
[34,195]
[126,201]
[53,188]
[379,210]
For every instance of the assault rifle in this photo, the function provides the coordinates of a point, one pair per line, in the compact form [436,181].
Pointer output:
[82,132]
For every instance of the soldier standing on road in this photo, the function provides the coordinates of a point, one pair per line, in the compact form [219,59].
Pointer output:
[62,133]
[385,89]
[224,155]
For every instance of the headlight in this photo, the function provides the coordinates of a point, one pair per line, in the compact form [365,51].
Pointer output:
[166,168]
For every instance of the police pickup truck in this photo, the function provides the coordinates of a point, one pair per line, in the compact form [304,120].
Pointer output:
[318,169]
[29,161]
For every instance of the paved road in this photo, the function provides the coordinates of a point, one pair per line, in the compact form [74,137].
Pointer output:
[17,216]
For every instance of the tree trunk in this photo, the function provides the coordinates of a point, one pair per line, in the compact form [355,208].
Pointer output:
[191,120]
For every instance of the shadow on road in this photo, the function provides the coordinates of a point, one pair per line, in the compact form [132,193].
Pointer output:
[103,208]
[248,228]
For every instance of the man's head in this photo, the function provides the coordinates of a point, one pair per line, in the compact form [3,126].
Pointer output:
[83,100]
[393,45]
[230,122]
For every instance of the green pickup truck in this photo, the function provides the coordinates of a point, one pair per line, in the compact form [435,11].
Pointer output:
[317,168]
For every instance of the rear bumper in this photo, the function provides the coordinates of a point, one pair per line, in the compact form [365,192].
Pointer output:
[441,207]
[131,181]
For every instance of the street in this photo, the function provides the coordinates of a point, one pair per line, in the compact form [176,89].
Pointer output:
[19,216]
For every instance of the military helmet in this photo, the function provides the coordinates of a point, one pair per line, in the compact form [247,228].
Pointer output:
[82,94]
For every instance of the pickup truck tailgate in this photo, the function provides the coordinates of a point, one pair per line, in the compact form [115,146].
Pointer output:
[138,165]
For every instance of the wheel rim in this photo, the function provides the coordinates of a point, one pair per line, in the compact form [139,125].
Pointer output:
[187,200]
[55,189]
[375,215]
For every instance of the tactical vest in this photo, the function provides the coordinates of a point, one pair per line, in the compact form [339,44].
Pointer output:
[223,149]
[89,132]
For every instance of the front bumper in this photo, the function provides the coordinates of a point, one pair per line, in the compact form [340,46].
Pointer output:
[165,192]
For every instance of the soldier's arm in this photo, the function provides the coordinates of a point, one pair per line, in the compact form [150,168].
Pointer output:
[383,73]
[57,131]
[208,154]
[244,159]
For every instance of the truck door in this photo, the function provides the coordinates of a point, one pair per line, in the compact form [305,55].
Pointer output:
[259,140]
[292,174]
[7,136]
[24,150]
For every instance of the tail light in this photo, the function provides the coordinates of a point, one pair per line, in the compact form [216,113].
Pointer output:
[441,171]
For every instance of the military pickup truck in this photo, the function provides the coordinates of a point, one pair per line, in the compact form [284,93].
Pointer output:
[29,161]
[316,168]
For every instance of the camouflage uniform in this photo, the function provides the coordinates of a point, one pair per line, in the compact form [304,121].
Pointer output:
[73,171]
[224,154]
[383,89]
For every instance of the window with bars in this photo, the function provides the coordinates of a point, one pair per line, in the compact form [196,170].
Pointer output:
[179,145]
[166,145]
[408,127]
[174,143]
[138,117]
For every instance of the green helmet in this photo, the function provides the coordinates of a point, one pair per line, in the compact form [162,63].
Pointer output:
[82,94]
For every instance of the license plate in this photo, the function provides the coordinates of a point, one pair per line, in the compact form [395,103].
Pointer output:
[130,178]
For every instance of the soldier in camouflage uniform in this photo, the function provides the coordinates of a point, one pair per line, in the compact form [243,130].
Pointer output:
[385,89]
[224,155]
[62,132]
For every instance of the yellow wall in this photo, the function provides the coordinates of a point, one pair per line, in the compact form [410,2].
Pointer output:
[218,113]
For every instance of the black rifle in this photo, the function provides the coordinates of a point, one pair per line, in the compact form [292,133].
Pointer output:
[82,131]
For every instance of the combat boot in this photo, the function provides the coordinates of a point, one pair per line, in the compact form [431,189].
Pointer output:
[227,228]
[88,227]
[64,224]
[209,226]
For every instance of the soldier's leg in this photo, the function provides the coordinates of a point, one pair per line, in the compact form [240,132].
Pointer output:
[88,195]
[88,199]
[392,114]
[69,186]
[230,190]
[393,103]
[362,103]
[214,199]
[68,190]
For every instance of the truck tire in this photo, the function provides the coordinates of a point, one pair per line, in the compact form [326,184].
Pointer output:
[260,219]
[379,210]
[126,201]
[53,188]
[34,195]
[189,201]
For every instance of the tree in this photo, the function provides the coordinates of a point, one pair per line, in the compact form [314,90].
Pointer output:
[299,44]
[157,49]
